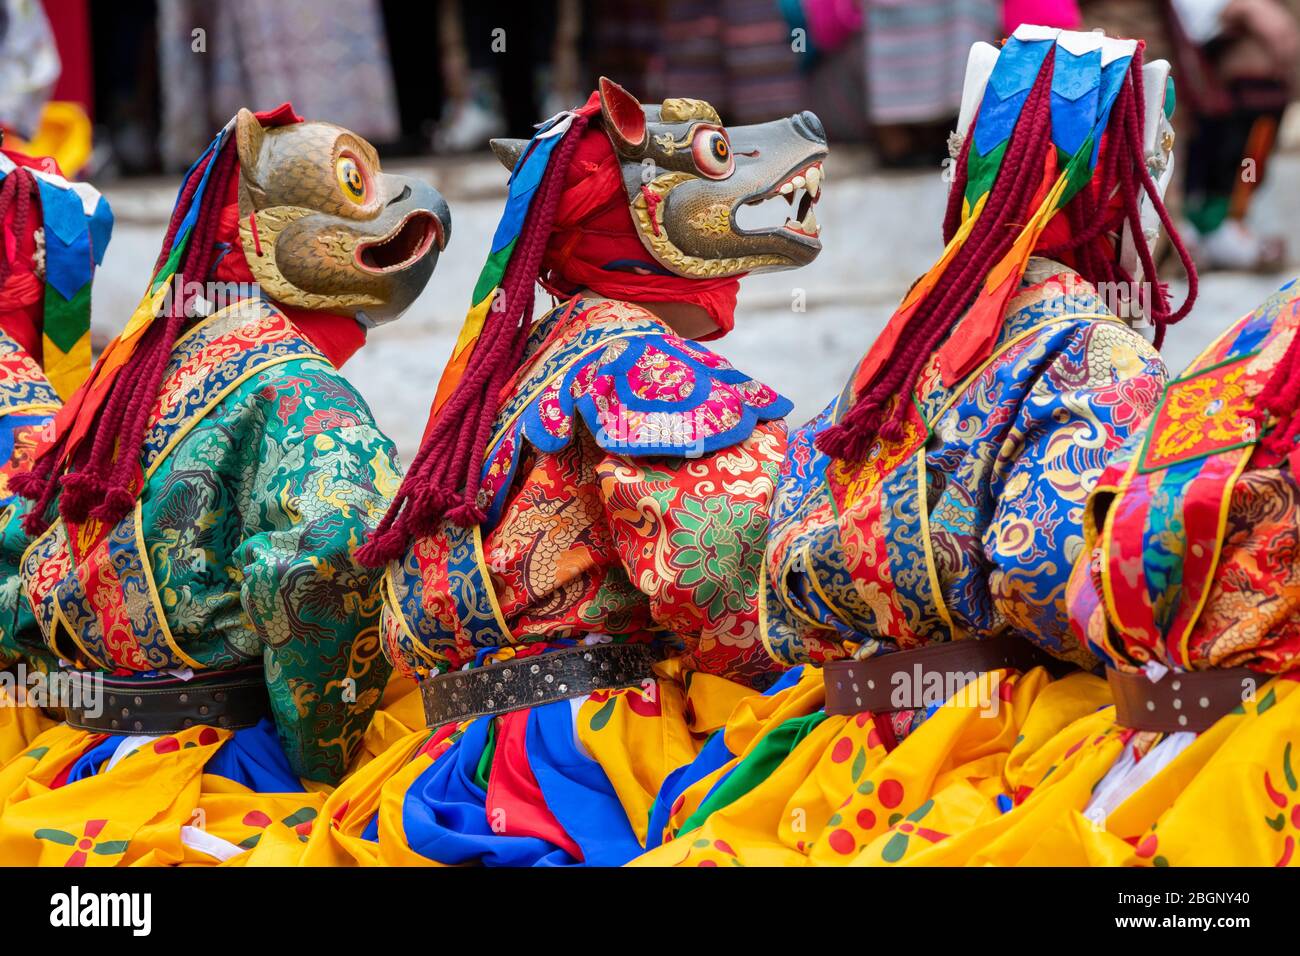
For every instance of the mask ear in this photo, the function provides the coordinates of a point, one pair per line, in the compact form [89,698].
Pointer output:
[248,142]
[1157,131]
[979,67]
[623,115]
[1158,154]
[508,151]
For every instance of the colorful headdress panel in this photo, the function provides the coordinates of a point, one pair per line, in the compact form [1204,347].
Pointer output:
[79,414]
[75,224]
[1060,126]
[1086,77]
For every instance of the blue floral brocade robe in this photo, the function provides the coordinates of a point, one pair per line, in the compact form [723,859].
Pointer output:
[969,527]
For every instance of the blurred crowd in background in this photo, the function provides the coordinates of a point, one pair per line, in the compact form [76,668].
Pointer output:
[132,87]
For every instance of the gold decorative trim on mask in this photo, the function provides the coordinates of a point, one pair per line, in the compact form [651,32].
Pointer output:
[270,223]
[669,145]
[673,258]
[714,221]
[682,110]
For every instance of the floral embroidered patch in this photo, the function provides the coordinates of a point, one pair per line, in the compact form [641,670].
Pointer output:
[850,481]
[1204,414]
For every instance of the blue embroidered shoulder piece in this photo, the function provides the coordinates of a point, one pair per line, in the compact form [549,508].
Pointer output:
[641,390]
[644,391]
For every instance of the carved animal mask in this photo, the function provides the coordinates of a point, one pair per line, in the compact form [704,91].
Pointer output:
[334,233]
[688,178]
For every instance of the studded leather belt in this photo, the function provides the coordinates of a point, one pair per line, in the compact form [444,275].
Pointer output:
[925,675]
[1189,701]
[164,705]
[531,681]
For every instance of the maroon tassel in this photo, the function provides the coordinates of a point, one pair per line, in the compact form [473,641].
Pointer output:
[443,480]
[872,417]
[101,480]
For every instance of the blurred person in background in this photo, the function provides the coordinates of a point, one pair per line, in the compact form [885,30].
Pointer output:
[29,65]
[329,57]
[1047,13]
[622,40]
[738,55]
[503,67]
[1241,55]
[831,35]
[45,80]
[1237,59]
[915,63]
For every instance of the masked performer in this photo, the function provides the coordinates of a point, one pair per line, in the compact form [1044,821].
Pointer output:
[196,517]
[54,234]
[928,519]
[1192,597]
[575,550]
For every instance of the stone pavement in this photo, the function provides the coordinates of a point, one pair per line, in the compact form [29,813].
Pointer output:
[880,230]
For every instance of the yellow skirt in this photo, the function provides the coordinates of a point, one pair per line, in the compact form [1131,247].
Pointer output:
[634,738]
[1228,797]
[149,803]
[154,804]
[839,790]
[400,714]
[19,725]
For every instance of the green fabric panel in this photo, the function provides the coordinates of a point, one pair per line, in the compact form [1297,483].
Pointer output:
[484,769]
[67,320]
[1208,214]
[173,261]
[757,767]
[981,171]
[1077,168]
[493,271]
[251,526]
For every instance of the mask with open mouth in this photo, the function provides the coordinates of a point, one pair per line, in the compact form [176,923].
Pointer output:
[324,229]
[708,200]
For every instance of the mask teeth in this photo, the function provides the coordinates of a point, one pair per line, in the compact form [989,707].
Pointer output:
[807,222]
[810,179]
[814,180]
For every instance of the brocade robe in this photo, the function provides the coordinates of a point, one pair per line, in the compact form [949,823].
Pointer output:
[1192,535]
[968,527]
[28,404]
[628,489]
[264,471]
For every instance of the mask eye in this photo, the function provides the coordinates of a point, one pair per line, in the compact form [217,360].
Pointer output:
[712,152]
[352,180]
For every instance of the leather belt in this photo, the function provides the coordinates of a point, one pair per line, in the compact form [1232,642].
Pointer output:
[874,685]
[157,706]
[531,681]
[1188,701]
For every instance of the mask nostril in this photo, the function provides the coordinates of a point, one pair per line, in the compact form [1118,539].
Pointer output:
[810,126]
[401,197]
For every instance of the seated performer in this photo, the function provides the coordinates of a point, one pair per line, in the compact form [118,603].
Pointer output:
[196,515]
[574,553]
[927,520]
[1189,589]
[52,236]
